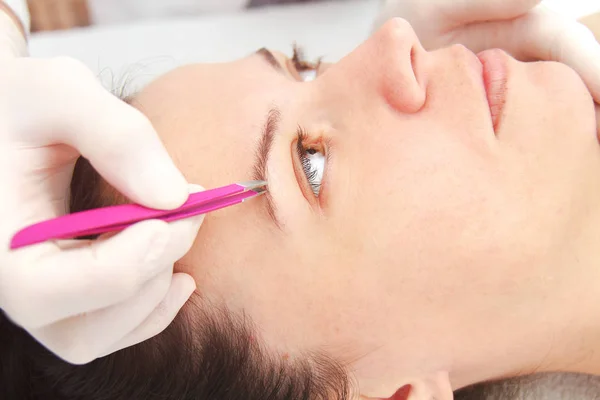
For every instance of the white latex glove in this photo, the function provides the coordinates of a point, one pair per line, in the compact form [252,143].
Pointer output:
[86,299]
[523,28]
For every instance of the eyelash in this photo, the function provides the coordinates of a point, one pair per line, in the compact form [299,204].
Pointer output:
[302,149]
[299,62]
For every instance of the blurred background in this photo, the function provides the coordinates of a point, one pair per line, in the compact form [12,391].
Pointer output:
[133,41]
[64,14]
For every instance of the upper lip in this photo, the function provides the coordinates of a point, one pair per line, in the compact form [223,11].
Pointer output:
[495,76]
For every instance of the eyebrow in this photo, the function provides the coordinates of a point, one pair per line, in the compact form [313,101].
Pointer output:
[268,56]
[261,160]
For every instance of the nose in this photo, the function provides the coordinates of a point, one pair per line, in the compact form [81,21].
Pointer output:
[386,66]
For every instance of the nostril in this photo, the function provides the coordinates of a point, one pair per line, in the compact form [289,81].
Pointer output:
[402,393]
[398,58]
[400,84]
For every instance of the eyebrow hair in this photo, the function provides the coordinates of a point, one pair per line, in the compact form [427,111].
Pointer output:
[268,56]
[261,160]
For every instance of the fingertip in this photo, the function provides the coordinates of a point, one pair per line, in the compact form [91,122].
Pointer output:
[195,188]
[189,225]
[173,196]
[186,285]
[167,188]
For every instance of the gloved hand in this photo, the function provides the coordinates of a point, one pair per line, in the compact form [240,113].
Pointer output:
[523,28]
[85,299]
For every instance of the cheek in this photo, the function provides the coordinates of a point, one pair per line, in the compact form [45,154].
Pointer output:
[548,109]
[432,217]
[280,280]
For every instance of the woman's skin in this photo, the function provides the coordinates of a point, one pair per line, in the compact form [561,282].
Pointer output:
[442,250]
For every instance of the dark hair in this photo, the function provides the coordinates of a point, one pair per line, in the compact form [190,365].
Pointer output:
[207,353]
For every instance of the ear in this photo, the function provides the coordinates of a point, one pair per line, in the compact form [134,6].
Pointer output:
[434,387]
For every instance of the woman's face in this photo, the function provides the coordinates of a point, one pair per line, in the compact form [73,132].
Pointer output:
[434,228]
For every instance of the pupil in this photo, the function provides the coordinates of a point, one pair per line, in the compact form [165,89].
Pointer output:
[311,151]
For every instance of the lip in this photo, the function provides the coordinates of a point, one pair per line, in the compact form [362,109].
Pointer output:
[495,79]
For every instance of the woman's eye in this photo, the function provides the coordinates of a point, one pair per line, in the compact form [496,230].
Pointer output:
[305,71]
[313,162]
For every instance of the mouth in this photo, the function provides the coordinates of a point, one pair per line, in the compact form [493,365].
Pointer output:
[495,79]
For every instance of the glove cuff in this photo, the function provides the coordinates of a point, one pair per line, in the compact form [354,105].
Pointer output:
[20,9]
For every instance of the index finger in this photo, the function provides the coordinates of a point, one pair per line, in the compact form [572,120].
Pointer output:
[66,104]
[463,12]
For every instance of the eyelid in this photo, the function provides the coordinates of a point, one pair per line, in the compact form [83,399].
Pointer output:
[286,66]
[323,146]
[296,70]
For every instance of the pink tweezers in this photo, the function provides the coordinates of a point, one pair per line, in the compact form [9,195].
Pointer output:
[116,218]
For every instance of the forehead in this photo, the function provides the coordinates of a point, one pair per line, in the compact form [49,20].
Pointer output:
[210,116]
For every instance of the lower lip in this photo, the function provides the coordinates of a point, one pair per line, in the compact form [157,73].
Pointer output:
[495,78]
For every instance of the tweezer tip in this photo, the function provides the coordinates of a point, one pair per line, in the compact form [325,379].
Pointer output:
[254,185]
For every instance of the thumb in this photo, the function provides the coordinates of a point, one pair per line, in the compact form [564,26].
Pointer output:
[540,35]
[462,12]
